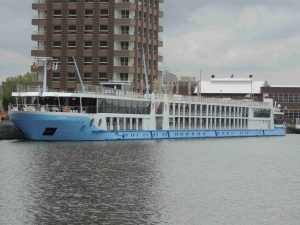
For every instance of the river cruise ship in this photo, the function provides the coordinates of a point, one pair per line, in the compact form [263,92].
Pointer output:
[93,113]
[97,113]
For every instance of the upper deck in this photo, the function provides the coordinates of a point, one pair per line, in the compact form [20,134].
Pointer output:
[92,91]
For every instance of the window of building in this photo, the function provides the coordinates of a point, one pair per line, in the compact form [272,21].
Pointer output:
[72,29]
[125,29]
[103,60]
[57,13]
[103,0]
[103,29]
[124,76]
[150,17]
[56,77]
[124,45]
[88,29]
[71,76]
[103,77]
[88,60]
[88,13]
[56,44]
[156,6]
[88,44]
[71,44]
[125,14]
[56,29]
[70,60]
[72,13]
[103,45]
[155,64]
[103,13]
[87,76]
[124,61]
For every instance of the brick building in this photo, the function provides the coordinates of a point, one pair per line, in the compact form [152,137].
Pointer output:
[104,36]
[288,97]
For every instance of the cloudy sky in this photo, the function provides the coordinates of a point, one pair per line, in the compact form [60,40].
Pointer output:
[221,37]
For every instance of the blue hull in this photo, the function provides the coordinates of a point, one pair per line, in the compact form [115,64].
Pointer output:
[78,128]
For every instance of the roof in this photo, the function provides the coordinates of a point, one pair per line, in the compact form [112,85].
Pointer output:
[285,86]
[231,86]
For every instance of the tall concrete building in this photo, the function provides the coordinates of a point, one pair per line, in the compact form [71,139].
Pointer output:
[104,36]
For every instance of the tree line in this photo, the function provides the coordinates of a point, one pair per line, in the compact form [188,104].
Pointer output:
[10,85]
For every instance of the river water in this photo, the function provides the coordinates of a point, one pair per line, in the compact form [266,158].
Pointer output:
[236,181]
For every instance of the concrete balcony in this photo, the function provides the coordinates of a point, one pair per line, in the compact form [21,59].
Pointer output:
[124,37]
[160,43]
[160,58]
[161,14]
[39,36]
[125,21]
[39,21]
[39,5]
[124,69]
[38,52]
[124,53]
[125,5]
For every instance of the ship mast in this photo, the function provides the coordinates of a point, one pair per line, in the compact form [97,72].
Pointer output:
[145,72]
[53,66]
[78,74]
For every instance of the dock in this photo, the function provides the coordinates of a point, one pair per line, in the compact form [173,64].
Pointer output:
[9,132]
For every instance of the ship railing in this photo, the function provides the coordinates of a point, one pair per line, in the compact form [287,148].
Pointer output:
[52,108]
[100,90]
[197,99]
[27,88]
[93,89]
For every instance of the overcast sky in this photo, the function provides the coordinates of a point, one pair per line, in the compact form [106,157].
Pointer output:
[221,37]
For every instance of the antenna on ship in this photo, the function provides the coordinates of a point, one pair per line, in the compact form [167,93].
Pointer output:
[145,72]
[78,73]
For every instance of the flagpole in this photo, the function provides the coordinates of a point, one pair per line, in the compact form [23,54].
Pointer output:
[45,76]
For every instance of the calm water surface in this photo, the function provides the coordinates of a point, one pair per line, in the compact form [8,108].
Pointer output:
[243,181]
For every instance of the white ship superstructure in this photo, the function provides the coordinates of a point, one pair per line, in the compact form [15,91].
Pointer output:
[98,113]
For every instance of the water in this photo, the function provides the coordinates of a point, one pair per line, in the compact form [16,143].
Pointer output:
[243,181]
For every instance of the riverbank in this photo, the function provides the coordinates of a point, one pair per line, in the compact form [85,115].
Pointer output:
[8,131]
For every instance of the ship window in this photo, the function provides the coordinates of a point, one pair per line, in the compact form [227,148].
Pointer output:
[262,113]
[49,131]
[121,123]
[99,123]
[92,121]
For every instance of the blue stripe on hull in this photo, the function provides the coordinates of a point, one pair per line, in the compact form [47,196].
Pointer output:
[78,128]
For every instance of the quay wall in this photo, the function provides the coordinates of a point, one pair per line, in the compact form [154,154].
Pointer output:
[9,132]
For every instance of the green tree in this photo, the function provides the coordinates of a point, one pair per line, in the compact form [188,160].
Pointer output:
[10,85]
